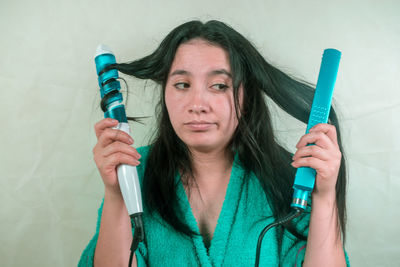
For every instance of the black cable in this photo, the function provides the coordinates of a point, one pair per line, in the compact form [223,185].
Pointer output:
[295,213]
[138,235]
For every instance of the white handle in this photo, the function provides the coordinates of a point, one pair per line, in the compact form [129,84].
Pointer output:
[129,181]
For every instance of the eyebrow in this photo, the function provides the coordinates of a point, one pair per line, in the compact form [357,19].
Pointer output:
[211,73]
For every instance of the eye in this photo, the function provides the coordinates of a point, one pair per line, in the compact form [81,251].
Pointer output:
[220,87]
[181,86]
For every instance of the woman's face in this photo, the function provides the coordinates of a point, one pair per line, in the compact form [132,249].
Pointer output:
[199,96]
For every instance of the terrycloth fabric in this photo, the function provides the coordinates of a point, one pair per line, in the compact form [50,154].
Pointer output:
[245,212]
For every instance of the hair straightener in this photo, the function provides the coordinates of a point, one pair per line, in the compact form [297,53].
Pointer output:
[321,105]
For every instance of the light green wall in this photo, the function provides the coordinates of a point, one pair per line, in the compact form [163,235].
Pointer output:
[49,185]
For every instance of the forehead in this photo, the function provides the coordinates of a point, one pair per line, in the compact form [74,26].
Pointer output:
[199,55]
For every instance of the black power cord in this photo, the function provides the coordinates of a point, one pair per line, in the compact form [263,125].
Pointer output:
[295,213]
[138,235]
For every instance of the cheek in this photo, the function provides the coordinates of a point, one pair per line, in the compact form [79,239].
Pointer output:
[172,108]
[226,108]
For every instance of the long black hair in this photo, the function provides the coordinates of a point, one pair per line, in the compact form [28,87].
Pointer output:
[254,139]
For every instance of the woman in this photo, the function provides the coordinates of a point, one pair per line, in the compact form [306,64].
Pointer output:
[214,175]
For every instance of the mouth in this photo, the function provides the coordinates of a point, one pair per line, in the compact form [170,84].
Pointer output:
[199,125]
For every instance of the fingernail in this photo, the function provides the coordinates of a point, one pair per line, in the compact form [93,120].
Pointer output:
[130,140]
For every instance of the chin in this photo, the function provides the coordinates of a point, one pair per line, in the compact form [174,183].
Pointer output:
[201,146]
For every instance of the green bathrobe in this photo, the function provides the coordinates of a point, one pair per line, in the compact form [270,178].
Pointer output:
[244,214]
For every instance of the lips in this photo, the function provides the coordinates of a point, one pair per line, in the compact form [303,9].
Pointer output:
[199,125]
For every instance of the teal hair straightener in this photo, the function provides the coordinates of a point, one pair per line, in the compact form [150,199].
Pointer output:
[305,177]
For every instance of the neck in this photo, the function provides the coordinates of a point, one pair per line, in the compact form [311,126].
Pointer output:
[211,166]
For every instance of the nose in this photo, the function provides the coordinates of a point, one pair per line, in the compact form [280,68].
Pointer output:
[198,102]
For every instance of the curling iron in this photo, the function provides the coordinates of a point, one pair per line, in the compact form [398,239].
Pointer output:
[112,106]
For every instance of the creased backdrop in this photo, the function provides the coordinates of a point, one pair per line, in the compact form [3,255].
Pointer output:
[49,185]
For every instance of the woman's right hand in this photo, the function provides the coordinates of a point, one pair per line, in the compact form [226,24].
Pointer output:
[112,149]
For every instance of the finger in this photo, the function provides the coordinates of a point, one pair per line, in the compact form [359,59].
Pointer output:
[312,151]
[311,162]
[111,135]
[120,147]
[100,126]
[318,138]
[121,158]
[328,129]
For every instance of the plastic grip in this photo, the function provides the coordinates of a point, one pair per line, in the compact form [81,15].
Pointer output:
[129,181]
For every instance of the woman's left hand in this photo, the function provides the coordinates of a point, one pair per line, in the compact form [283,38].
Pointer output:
[324,156]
